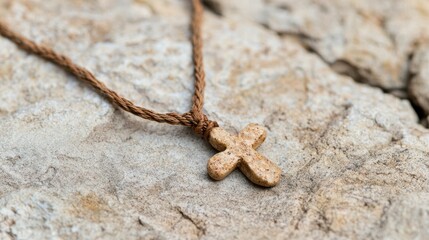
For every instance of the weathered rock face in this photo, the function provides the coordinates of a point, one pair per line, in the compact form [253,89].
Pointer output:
[419,84]
[355,161]
[368,40]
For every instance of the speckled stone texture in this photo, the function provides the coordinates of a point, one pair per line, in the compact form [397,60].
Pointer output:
[239,151]
[354,158]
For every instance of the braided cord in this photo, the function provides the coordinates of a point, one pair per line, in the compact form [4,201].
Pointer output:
[195,118]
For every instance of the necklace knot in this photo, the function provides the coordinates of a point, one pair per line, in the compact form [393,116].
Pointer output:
[202,126]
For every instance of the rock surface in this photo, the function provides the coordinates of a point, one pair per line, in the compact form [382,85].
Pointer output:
[419,84]
[355,160]
[371,41]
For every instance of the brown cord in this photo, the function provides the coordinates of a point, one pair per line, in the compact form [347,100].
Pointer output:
[195,118]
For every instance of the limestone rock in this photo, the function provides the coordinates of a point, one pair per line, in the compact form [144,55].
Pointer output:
[419,84]
[368,40]
[354,160]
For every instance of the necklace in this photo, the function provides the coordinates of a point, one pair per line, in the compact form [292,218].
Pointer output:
[236,151]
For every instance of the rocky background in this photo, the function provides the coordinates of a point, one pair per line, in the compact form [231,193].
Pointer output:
[342,87]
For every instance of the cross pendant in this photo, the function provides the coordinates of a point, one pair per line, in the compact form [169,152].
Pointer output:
[239,151]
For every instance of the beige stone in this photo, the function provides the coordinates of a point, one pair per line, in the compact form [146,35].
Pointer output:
[239,151]
[370,41]
[354,160]
[419,84]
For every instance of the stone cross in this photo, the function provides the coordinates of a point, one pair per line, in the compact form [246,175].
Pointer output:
[239,151]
